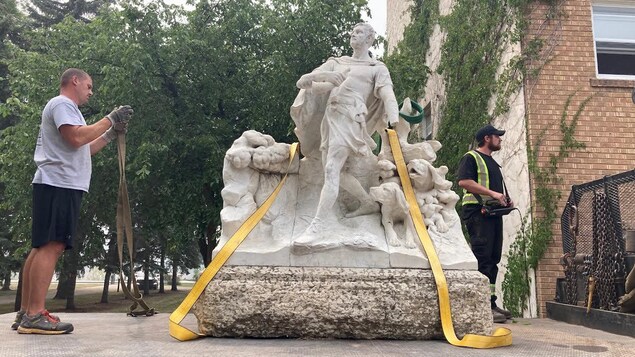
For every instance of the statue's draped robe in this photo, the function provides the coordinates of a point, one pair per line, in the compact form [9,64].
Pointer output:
[345,116]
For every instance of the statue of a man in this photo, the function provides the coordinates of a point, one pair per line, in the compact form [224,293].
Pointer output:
[350,98]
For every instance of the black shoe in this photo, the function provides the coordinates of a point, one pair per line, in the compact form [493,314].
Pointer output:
[498,317]
[508,315]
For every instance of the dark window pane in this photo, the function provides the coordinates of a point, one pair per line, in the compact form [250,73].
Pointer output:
[609,63]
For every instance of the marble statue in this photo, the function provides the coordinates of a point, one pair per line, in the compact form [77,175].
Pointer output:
[342,205]
[361,102]
[394,208]
[337,249]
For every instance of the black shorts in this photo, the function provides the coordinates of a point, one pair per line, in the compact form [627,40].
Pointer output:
[55,215]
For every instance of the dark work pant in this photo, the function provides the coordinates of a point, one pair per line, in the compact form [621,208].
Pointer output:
[486,240]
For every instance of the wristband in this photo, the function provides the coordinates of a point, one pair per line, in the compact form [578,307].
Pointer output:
[109,135]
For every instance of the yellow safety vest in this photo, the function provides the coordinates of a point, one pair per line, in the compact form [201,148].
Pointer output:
[483,180]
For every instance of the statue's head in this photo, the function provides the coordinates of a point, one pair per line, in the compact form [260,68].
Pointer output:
[362,36]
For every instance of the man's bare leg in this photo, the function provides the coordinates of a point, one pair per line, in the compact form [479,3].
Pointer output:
[24,303]
[40,274]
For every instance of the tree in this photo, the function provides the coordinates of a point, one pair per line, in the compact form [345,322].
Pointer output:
[11,22]
[46,13]
[197,80]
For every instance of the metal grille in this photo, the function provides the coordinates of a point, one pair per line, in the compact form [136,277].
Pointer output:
[594,223]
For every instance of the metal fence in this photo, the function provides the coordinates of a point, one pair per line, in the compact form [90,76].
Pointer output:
[597,220]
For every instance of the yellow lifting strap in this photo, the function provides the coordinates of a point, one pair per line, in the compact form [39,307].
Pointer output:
[183,334]
[124,227]
[501,336]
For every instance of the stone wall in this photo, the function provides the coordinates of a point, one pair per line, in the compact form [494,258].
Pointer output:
[397,18]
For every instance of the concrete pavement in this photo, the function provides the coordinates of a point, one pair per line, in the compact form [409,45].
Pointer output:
[115,334]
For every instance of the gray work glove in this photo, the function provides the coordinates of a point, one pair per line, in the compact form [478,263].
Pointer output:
[111,134]
[119,115]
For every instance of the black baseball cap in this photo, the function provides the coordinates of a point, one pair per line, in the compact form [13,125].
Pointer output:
[488,130]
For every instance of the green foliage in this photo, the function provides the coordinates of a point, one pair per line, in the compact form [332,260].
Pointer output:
[196,79]
[516,285]
[477,33]
[11,26]
[46,13]
[407,61]
[11,23]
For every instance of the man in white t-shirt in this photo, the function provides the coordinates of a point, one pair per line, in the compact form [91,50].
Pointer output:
[62,155]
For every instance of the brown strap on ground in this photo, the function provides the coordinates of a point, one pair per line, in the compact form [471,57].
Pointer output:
[124,228]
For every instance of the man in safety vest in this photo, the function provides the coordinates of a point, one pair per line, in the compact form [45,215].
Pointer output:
[481,179]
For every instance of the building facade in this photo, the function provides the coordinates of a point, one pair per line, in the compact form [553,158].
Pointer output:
[588,52]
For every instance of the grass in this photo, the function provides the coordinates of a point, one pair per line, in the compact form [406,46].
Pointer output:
[89,301]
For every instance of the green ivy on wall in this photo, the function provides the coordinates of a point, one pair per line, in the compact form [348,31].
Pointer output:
[476,91]
[532,239]
[407,61]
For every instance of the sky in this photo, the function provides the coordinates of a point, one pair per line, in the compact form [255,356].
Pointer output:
[378,21]
[378,13]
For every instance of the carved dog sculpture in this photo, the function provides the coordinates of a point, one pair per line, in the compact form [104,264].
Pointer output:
[394,209]
[434,194]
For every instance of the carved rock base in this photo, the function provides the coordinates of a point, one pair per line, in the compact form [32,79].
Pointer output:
[312,302]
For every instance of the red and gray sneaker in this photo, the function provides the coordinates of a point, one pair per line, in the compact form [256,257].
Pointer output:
[43,323]
[18,319]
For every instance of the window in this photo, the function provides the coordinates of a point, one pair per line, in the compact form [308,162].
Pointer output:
[426,124]
[614,35]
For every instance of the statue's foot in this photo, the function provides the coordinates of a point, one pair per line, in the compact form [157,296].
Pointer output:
[442,227]
[410,243]
[393,242]
[366,208]
[311,240]
[316,226]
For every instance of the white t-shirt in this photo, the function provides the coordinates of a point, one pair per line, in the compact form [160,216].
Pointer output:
[58,163]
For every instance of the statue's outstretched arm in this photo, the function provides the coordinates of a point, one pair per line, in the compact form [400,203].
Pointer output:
[390,104]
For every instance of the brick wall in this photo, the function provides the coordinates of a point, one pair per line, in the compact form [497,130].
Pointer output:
[607,125]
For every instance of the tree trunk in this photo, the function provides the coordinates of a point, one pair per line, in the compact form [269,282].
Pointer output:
[175,268]
[68,272]
[62,284]
[146,277]
[204,249]
[207,242]
[70,297]
[18,291]
[104,292]
[161,287]
[68,278]
[6,286]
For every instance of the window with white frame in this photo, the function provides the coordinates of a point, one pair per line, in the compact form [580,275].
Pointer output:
[614,35]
